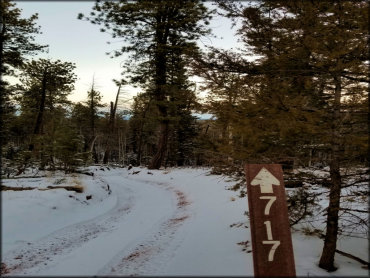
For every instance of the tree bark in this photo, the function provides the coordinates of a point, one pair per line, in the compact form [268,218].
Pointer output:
[110,133]
[3,31]
[2,85]
[162,33]
[40,114]
[138,149]
[112,118]
[93,150]
[92,124]
[158,158]
[140,143]
[330,243]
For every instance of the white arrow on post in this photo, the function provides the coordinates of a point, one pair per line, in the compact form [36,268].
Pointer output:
[265,179]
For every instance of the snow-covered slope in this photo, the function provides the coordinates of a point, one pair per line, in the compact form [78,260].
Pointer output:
[140,222]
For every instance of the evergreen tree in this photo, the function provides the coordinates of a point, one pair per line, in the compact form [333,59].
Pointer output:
[227,97]
[93,103]
[111,126]
[313,61]
[143,124]
[42,97]
[17,40]
[147,27]
[182,101]
[17,37]
[80,120]
[68,145]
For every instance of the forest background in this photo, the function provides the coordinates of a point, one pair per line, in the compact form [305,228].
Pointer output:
[294,93]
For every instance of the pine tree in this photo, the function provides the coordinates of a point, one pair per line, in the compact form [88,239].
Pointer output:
[16,37]
[313,60]
[147,28]
[182,101]
[17,41]
[143,125]
[111,127]
[68,145]
[93,103]
[45,87]
[80,119]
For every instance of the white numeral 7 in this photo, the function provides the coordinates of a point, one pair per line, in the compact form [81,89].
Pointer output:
[275,245]
[271,199]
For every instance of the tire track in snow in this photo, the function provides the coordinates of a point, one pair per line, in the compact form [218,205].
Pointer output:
[47,250]
[150,254]
[150,249]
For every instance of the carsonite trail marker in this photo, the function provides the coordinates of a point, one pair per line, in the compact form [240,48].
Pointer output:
[268,213]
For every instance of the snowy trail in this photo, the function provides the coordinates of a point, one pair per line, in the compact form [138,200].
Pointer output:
[156,246]
[141,226]
[164,223]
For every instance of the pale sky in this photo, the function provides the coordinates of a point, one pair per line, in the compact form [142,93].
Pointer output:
[82,43]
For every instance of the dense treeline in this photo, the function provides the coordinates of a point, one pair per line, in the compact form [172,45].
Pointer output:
[295,94]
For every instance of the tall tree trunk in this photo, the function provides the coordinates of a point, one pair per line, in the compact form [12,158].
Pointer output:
[95,155]
[330,244]
[158,158]
[92,123]
[140,135]
[3,30]
[40,114]
[139,145]
[108,136]
[111,126]
[106,155]
[160,93]
[93,149]
[2,85]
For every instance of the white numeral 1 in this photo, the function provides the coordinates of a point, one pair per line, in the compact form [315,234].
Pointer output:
[268,230]
[275,245]
[271,199]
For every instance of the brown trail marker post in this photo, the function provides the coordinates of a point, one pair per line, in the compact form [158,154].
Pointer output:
[268,213]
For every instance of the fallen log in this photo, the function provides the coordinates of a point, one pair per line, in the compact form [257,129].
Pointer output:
[5,188]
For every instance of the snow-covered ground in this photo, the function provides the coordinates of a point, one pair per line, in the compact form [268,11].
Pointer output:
[139,222]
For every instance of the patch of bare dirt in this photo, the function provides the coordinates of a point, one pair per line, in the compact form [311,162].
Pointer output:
[141,252]
[181,199]
[178,220]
